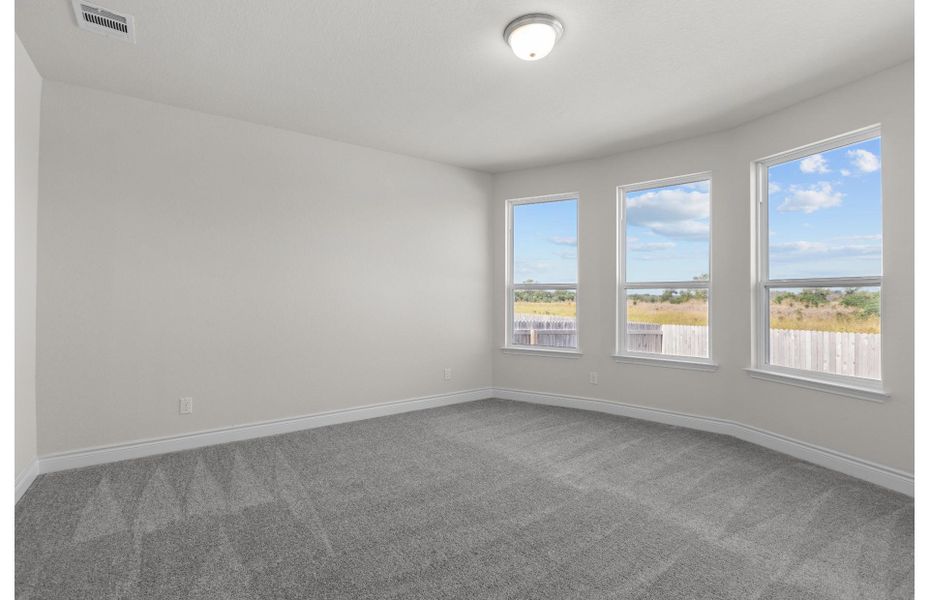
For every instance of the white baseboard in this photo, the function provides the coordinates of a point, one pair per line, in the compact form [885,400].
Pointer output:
[106,454]
[25,479]
[888,477]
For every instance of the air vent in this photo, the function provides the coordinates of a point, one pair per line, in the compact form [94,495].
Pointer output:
[105,22]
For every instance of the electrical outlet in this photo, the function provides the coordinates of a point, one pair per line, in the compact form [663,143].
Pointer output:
[448,374]
[594,378]
[186,405]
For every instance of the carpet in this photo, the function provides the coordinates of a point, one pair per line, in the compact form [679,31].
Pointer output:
[489,499]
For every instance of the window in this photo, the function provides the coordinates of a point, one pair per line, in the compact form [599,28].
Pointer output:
[542,273]
[664,270]
[818,311]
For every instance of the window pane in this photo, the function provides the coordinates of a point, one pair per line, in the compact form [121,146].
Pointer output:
[668,322]
[545,242]
[828,330]
[824,214]
[545,318]
[668,232]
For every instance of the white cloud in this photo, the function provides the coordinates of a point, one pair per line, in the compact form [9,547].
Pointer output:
[809,200]
[861,238]
[567,254]
[530,268]
[673,213]
[864,161]
[856,250]
[683,229]
[818,250]
[845,172]
[773,187]
[798,247]
[816,163]
[564,240]
[637,246]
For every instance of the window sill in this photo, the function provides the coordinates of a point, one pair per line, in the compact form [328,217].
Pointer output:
[673,363]
[871,394]
[541,352]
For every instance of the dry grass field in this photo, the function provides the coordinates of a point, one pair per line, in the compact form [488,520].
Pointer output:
[828,317]
[555,309]
[692,312]
[787,315]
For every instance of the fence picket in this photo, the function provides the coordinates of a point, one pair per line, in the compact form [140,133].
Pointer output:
[838,352]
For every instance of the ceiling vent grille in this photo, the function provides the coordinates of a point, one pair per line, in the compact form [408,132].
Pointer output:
[105,22]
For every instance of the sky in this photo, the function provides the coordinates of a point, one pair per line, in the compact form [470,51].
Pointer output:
[824,220]
[545,242]
[824,214]
[668,232]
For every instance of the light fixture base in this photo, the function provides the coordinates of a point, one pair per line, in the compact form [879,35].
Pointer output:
[544,18]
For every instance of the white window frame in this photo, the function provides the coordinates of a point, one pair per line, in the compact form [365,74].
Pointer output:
[512,287]
[622,354]
[846,385]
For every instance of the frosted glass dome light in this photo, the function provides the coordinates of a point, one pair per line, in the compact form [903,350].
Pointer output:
[533,36]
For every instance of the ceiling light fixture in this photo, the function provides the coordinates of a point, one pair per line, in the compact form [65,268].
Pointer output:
[533,36]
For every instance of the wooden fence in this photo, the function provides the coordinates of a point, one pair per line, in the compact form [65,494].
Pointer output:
[685,340]
[855,354]
[677,340]
[838,352]
[542,330]
[644,337]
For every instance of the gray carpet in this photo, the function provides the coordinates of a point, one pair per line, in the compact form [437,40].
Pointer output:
[490,499]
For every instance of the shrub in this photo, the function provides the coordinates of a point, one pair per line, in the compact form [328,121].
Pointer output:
[867,303]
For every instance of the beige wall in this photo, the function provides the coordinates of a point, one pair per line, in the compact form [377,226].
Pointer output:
[265,273]
[28,100]
[878,432]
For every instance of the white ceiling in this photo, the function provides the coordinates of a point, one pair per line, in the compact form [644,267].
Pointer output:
[434,78]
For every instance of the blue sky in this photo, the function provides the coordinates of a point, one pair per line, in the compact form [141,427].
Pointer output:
[667,233]
[824,214]
[824,220]
[545,242]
